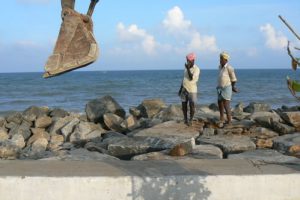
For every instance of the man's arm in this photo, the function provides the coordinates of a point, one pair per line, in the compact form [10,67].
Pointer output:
[188,68]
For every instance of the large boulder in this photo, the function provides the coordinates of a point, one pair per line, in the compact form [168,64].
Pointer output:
[69,128]
[43,122]
[229,143]
[170,129]
[288,144]
[83,130]
[282,129]
[292,118]
[171,113]
[18,141]
[82,155]
[22,129]
[257,107]
[265,156]
[58,124]
[34,112]
[8,150]
[183,148]
[15,117]
[150,107]
[95,109]
[37,134]
[58,113]
[113,122]
[2,121]
[3,134]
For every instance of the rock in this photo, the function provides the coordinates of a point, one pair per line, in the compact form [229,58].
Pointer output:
[288,144]
[22,129]
[95,135]
[3,134]
[2,121]
[289,109]
[208,132]
[83,155]
[127,147]
[18,141]
[113,122]
[130,123]
[69,128]
[82,130]
[91,146]
[8,151]
[34,112]
[214,107]
[43,122]
[282,129]
[183,149]
[199,152]
[148,122]
[39,145]
[135,112]
[58,113]
[206,152]
[15,117]
[257,107]
[228,144]
[150,107]
[170,129]
[292,118]
[37,134]
[112,134]
[58,124]
[171,113]
[239,108]
[263,133]
[95,109]
[160,155]
[273,115]
[265,156]
[264,143]
[11,125]
[55,142]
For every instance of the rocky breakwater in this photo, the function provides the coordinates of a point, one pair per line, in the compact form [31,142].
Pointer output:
[151,131]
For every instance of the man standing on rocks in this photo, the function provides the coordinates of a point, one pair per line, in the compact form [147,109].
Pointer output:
[188,88]
[226,84]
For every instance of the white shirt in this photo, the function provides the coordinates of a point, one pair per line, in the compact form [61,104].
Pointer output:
[226,75]
[191,85]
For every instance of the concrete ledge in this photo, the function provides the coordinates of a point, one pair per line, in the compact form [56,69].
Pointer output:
[147,180]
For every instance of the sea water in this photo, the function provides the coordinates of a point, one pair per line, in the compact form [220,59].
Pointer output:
[71,91]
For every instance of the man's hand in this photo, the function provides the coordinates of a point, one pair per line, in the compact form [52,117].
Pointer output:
[234,89]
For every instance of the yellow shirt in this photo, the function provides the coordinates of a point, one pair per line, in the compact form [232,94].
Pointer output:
[226,75]
[191,85]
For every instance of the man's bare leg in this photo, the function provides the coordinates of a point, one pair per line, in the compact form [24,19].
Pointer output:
[221,110]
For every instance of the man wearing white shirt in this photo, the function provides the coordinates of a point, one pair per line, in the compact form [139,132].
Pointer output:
[226,84]
[188,89]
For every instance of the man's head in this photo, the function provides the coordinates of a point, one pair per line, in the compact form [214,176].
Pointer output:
[190,58]
[224,58]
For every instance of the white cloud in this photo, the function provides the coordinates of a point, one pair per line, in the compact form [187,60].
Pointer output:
[175,21]
[176,24]
[34,1]
[274,40]
[137,37]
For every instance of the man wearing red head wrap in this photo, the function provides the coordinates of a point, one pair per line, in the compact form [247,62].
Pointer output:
[188,88]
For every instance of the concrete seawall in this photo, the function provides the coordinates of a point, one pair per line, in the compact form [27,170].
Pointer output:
[147,180]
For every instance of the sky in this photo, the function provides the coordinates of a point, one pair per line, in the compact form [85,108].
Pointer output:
[156,34]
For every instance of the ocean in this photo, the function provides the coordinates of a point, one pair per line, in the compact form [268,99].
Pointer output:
[71,91]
